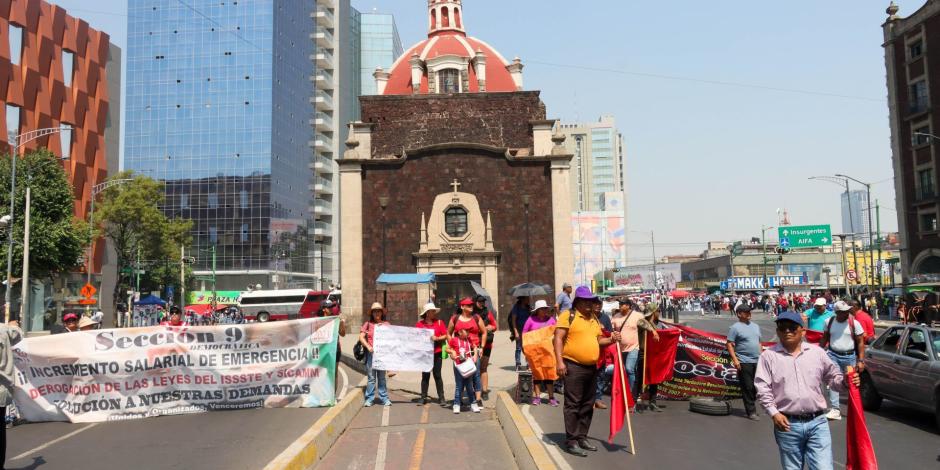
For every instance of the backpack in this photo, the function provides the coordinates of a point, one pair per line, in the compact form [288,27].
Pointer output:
[827,335]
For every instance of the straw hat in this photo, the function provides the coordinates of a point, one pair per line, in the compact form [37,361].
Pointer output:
[427,308]
[85,321]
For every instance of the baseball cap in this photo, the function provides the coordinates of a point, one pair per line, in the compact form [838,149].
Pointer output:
[69,317]
[376,306]
[565,285]
[790,316]
[842,306]
[820,301]
[466,301]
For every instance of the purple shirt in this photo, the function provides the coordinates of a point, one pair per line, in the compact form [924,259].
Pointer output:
[793,384]
[534,324]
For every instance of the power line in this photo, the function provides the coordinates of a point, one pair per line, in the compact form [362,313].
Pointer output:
[709,82]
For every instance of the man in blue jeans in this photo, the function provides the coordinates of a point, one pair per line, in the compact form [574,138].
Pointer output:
[790,379]
[517,318]
[845,345]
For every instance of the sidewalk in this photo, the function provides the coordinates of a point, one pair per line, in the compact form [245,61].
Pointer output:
[502,369]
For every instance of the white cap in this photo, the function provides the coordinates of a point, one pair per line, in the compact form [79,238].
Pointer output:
[540,304]
[820,301]
[841,306]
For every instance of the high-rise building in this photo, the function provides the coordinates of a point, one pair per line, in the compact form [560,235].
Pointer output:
[380,47]
[855,214]
[912,86]
[60,73]
[598,164]
[220,108]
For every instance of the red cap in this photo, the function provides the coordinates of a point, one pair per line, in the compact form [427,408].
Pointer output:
[69,316]
[466,301]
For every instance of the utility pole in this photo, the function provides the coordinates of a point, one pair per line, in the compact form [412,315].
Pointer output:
[880,243]
[215,295]
[848,200]
[845,278]
[183,275]
[25,320]
[137,270]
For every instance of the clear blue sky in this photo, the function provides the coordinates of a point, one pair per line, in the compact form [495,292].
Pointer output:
[705,161]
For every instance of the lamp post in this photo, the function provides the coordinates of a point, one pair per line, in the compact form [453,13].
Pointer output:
[763,242]
[871,241]
[528,264]
[95,191]
[383,203]
[844,182]
[16,142]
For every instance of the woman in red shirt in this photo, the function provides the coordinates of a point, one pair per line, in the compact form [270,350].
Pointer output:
[428,320]
[474,326]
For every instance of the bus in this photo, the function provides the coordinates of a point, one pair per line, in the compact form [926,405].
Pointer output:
[286,304]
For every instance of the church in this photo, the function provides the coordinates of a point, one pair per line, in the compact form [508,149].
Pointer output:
[454,170]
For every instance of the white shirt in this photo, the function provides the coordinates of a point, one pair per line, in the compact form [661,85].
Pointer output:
[840,338]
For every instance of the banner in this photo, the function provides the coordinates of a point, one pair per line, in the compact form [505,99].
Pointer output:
[702,368]
[121,374]
[403,349]
[539,348]
[205,297]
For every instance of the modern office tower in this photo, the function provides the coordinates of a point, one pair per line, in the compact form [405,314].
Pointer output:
[597,167]
[380,46]
[855,214]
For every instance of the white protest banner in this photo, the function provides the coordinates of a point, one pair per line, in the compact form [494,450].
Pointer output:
[403,349]
[121,374]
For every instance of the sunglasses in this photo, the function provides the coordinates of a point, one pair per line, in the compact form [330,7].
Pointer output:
[791,328]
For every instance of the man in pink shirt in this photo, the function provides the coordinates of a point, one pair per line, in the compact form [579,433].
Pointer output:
[791,379]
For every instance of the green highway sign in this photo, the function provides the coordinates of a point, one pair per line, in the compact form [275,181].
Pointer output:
[804,236]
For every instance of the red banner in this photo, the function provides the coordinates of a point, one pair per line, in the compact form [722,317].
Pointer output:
[702,367]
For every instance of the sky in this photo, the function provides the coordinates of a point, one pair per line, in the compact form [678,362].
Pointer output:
[726,108]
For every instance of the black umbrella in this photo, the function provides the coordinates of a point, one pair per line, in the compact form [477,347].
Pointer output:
[530,289]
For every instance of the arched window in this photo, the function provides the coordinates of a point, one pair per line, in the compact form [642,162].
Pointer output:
[455,221]
[457,17]
[448,81]
[445,17]
[433,18]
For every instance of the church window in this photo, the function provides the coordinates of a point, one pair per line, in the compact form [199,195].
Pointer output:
[457,17]
[455,221]
[445,17]
[448,81]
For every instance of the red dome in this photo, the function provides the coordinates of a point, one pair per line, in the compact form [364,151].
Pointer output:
[448,47]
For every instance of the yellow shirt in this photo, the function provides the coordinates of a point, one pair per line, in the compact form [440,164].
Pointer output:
[581,343]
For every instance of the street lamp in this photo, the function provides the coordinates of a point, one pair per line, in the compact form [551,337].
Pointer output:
[763,242]
[95,191]
[871,241]
[383,202]
[15,143]
[844,183]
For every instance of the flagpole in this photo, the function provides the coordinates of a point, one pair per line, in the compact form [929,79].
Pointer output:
[626,402]
[646,349]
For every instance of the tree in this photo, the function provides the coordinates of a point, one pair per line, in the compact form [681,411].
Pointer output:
[58,239]
[129,215]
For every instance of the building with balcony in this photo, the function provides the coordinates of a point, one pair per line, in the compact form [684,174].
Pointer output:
[911,46]
[57,71]
[219,107]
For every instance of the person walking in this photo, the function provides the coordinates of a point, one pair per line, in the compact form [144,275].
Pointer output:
[541,318]
[816,317]
[844,342]
[476,329]
[489,320]
[428,320]
[790,379]
[10,334]
[563,301]
[376,378]
[744,347]
[868,323]
[578,341]
[628,323]
[517,320]
[461,349]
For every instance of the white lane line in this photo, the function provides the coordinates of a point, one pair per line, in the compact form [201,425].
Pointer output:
[54,441]
[383,440]
[550,446]
[342,391]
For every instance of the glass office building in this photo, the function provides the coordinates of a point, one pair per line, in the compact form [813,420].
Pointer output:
[219,108]
[380,47]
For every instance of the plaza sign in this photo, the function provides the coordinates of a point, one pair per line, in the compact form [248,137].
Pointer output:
[804,236]
[773,282]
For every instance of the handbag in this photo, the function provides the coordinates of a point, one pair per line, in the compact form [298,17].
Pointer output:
[467,368]
[359,352]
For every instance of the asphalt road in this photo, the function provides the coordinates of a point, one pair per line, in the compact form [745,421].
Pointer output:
[679,439]
[242,439]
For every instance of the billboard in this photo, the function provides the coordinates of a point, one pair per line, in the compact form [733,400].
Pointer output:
[645,277]
[599,242]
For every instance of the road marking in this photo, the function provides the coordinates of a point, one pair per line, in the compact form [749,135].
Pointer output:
[383,440]
[550,446]
[417,454]
[54,441]
[342,392]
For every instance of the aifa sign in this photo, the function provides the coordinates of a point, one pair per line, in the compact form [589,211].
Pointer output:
[772,282]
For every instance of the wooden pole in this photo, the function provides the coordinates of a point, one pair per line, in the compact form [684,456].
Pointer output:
[646,343]
[626,402]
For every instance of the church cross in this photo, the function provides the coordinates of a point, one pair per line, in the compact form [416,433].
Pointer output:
[455,185]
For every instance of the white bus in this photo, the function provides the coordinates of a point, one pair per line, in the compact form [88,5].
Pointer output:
[286,304]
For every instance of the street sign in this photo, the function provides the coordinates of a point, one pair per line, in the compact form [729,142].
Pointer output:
[737,249]
[852,275]
[804,236]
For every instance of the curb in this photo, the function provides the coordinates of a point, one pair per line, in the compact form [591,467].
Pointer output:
[308,449]
[525,445]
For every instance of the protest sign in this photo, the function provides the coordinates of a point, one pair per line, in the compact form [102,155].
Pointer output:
[121,374]
[403,349]
[539,352]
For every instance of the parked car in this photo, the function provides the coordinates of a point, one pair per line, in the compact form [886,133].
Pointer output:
[903,365]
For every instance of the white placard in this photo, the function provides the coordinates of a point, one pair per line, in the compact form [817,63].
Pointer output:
[403,349]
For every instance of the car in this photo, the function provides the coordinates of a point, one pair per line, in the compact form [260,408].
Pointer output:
[903,365]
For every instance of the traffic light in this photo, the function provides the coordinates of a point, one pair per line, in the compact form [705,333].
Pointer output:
[781,251]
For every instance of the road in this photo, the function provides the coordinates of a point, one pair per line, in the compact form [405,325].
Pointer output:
[679,439]
[243,439]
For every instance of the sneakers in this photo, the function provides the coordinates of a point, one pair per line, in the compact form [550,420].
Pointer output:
[387,403]
[456,409]
[753,417]
[367,404]
[834,414]
[475,408]
[536,401]
[553,402]
[654,407]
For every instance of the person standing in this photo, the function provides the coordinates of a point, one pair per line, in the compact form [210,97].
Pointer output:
[476,332]
[744,347]
[10,334]
[480,309]
[428,320]
[541,318]
[578,341]
[790,379]
[69,324]
[628,323]
[563,301]
[816,317]
[650,314]
[376,378]
[868,323]
[461,349]
[517,320]
[844,342]
[326,310]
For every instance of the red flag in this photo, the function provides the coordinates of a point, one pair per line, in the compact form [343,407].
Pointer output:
[618,409]
[661,356]
[813,336]
[860,454]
